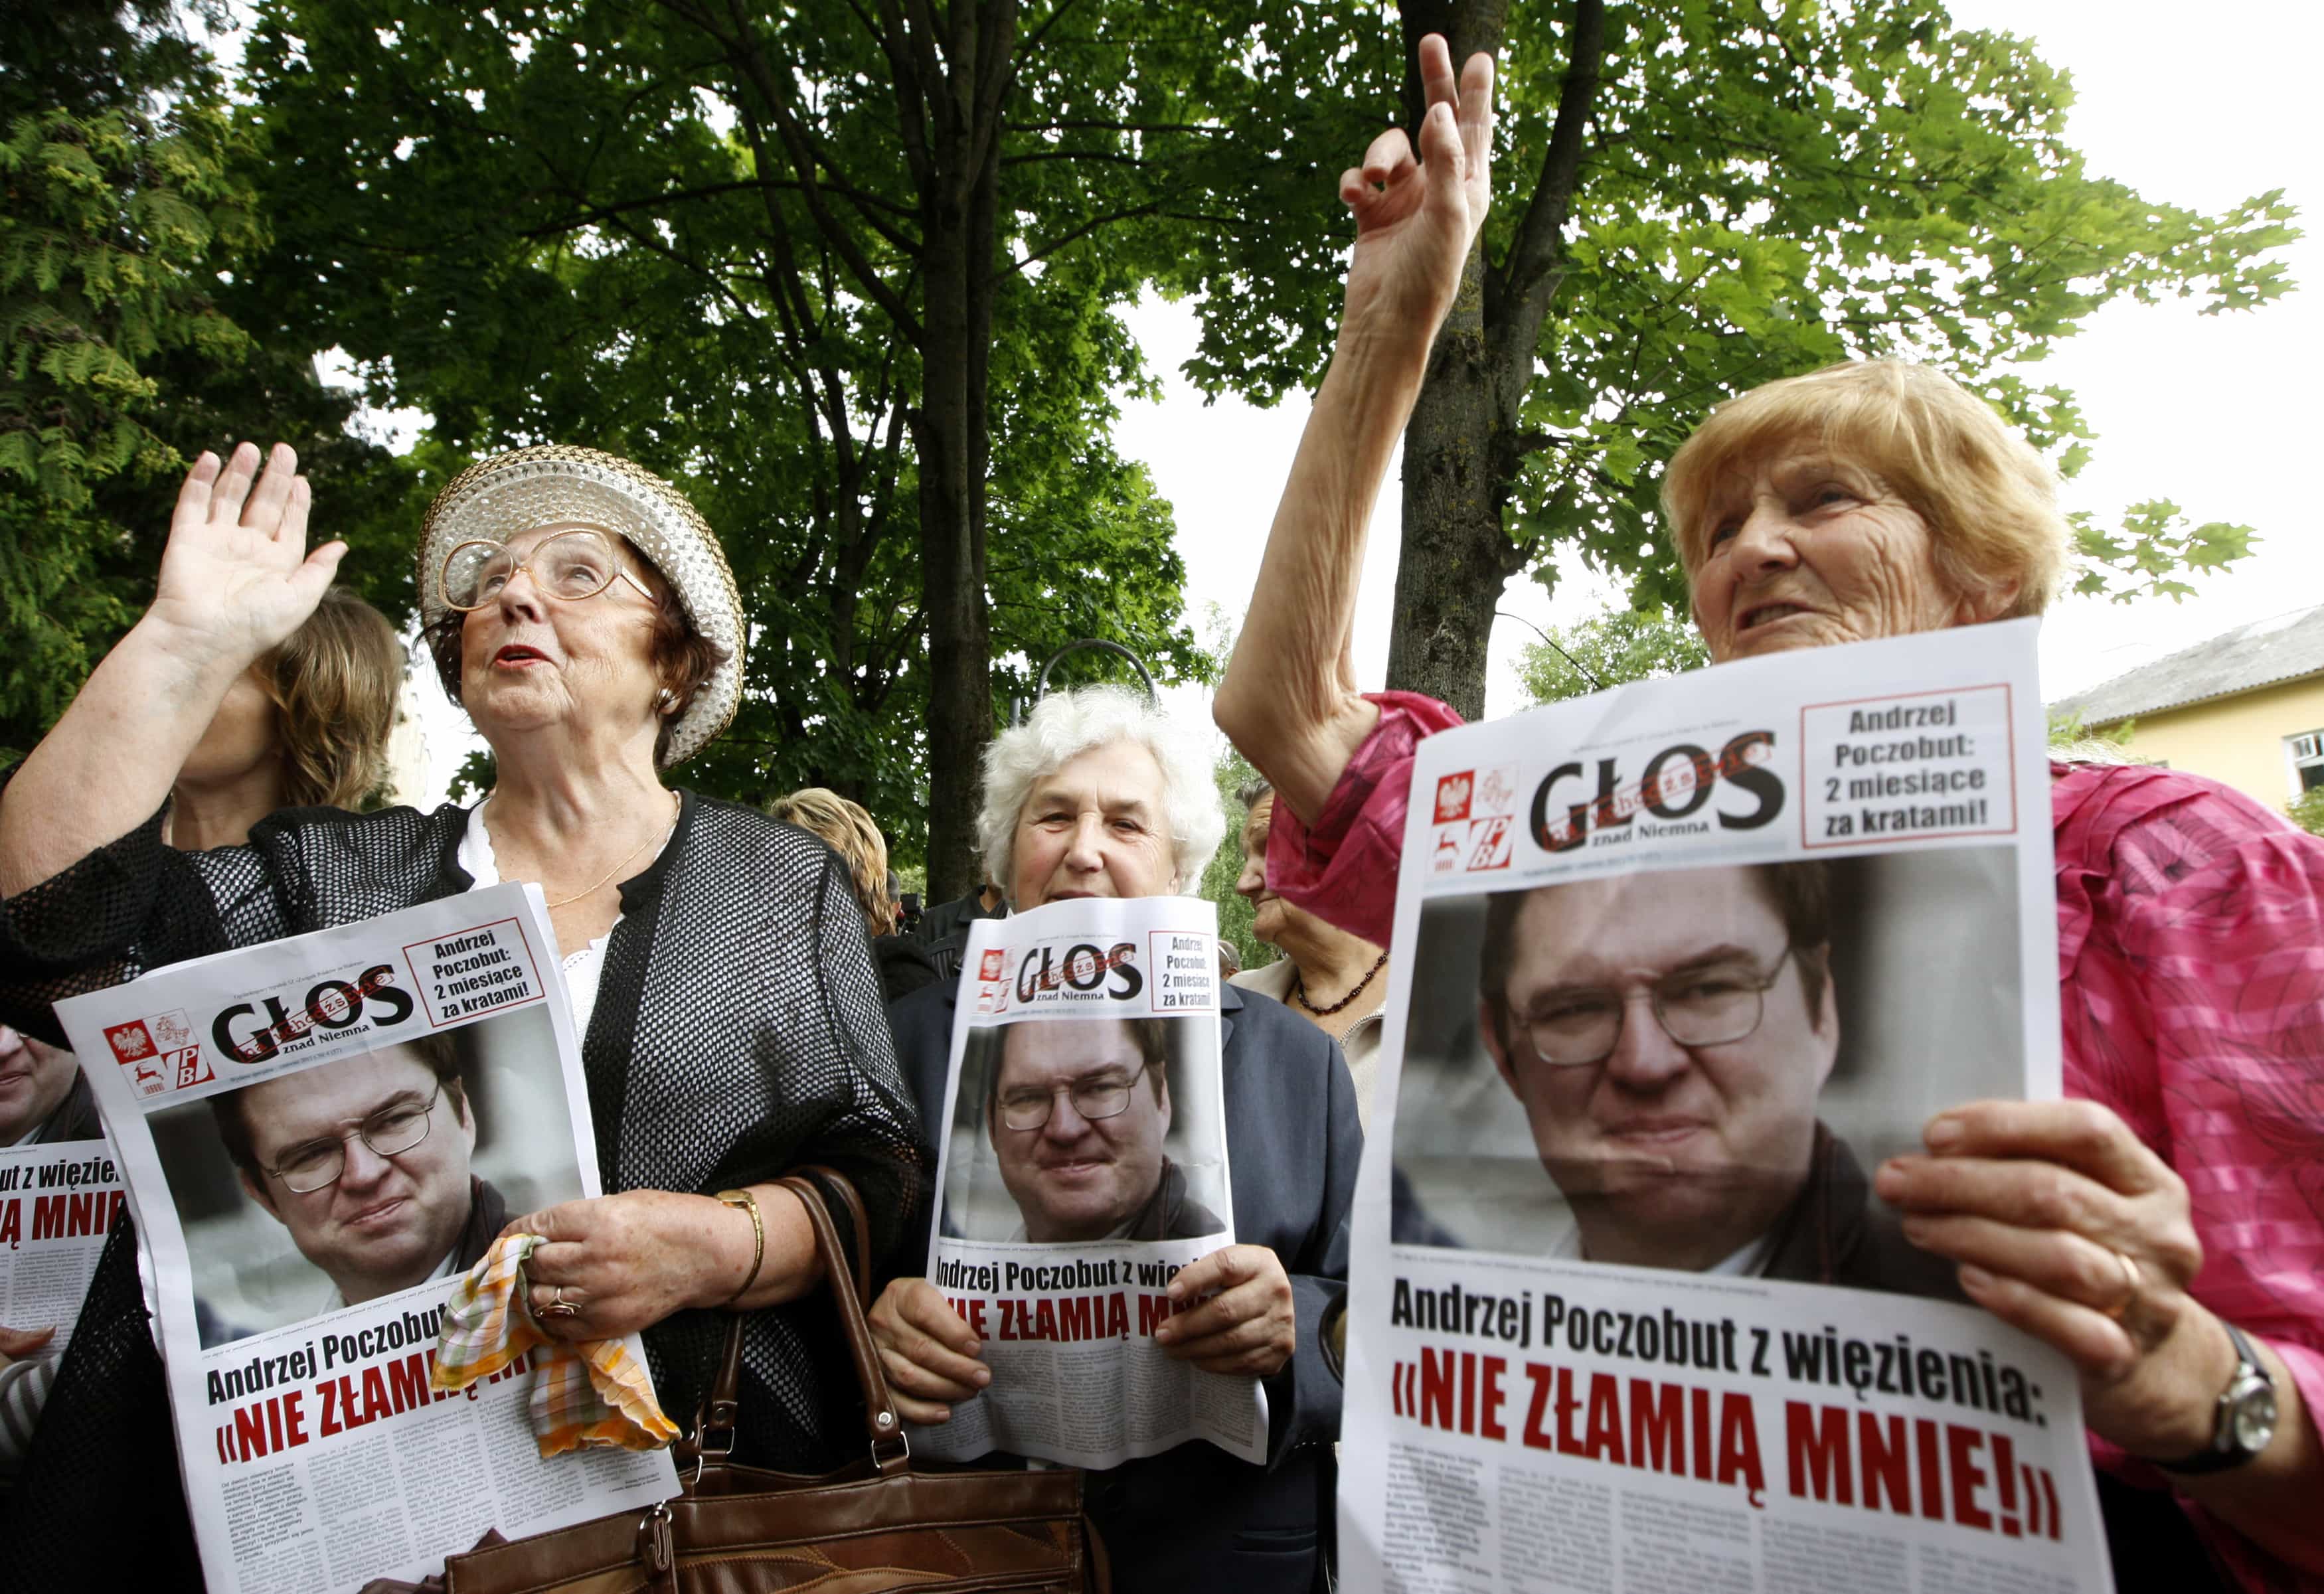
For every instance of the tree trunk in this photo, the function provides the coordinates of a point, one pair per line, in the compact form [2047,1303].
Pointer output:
[952,558]
[1456,557]
[952,435]
[1463,449]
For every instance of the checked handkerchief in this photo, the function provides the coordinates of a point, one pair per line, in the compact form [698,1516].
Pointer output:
[593,1393]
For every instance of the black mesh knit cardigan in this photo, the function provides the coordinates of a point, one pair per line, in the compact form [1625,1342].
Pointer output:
[738,1033]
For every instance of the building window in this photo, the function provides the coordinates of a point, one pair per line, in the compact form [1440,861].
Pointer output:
[2306,753]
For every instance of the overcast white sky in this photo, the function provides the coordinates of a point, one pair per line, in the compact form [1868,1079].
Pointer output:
[2216,413]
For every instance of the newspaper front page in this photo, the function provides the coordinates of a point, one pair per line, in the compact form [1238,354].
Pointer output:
[319,1136]
[1677,966]
[1083,1163]
[57,1200]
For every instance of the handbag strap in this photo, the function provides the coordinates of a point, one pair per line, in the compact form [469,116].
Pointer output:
[831,1180]
[846,1280]
[1097,1570]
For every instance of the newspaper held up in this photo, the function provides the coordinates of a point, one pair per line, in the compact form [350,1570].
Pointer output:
[319,1136]
[1678,965]
[60,1187]
[57,1202]
[1083,1163]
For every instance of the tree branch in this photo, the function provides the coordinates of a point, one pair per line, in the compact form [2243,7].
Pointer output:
[996,70]
[1089,126]
[1112,157]
[1056,13]
[753,62]
[904,78]
[1153,208]
[903,243]
[1540,239]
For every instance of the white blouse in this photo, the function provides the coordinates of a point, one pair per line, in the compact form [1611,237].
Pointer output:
[583,968]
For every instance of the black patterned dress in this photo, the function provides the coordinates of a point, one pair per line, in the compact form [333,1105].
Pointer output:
[738,1033]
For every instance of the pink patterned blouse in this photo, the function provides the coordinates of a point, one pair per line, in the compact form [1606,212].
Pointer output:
[2191,957]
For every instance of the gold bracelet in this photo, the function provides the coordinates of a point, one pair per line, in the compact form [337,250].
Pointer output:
[750,1203]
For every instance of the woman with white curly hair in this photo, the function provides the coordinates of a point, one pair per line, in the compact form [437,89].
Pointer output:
[1099,794]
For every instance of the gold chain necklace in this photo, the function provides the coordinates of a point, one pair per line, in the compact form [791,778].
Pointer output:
[676,806]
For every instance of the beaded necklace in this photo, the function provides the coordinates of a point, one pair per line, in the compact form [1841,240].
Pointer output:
[1299,990]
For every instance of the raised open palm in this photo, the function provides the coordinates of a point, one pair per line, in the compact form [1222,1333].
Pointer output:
[1416,219]
[236,577]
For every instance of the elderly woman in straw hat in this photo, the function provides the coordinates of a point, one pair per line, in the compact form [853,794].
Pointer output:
[582,613]
[2161,1227]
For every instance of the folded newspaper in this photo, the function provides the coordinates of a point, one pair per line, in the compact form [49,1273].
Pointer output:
[319,1136]
[1678,964]
[57,1200]
[1083,1163]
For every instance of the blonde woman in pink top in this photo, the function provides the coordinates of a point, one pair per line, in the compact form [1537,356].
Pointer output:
[2163,1227]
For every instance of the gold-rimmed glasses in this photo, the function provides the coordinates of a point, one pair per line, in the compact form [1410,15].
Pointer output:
[570,565]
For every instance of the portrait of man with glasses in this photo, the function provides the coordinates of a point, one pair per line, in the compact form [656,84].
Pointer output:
[1077,1111]
[1667,1036]
[365,1163]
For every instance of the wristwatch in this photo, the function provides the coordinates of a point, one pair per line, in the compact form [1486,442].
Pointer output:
[2245,1418]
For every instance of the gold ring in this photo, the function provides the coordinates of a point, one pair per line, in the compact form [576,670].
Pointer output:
[559,1306]
[2130,1276]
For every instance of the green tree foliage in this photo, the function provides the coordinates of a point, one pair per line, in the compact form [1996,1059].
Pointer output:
[2069,739]
[2307,810]
[1606,650]
[2067,731]
[118,216]
[1234,776]
[1694,197]
[127,342]
[2153,548]
[845,273]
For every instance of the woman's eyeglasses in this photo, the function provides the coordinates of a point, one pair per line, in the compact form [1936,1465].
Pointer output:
[569,566]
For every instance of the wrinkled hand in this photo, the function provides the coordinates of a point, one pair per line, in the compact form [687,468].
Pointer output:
[1246,1328]
[928,1352]
[1416,220]
[2068,1227]
[627,1261]
[15,1344]
[236,577]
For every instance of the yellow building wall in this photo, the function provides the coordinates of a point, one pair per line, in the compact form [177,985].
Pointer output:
[2238,740]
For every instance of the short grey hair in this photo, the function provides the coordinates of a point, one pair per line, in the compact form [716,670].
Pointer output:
[1063,726]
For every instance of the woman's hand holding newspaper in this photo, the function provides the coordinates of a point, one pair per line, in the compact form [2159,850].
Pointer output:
[15,1344]
[624,1262]
[928,1352]
[1246,1328]
[2068,1227]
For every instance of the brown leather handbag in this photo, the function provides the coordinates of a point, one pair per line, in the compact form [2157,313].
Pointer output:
[870,1527]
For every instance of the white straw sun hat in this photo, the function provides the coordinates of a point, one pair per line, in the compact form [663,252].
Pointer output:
[504,494]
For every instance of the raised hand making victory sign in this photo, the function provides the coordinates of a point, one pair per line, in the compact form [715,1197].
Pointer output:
[1417,219]
[1291,685]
